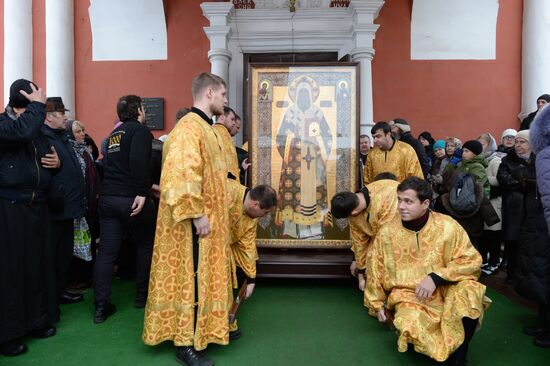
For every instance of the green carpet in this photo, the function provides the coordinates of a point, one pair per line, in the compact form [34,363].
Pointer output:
[286,322]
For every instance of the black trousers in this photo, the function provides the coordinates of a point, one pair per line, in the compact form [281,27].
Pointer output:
[490,246]
[115,221]
[63,239]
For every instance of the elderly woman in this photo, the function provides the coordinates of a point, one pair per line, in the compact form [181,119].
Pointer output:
[77,137]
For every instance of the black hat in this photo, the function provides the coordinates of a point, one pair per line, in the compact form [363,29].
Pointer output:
[18,100]
[474,146]
[545,97]
[55,104]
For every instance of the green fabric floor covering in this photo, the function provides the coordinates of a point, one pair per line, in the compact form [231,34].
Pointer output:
[286,322]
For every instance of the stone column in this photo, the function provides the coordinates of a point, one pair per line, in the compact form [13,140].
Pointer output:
[218,33]
[60,80]
[363,30]
[535,72]
[17,43]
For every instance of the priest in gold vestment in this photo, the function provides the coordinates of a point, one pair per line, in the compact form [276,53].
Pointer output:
[245,207]
[190,272]
[223,128]
[367,210]
[390,155]
[424,270]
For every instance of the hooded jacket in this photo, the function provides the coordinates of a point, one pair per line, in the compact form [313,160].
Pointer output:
[539,137]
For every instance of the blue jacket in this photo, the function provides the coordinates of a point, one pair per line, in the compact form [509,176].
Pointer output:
[22,145]
[67,190]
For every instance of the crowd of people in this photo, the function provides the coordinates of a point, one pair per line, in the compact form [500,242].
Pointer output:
[430,218]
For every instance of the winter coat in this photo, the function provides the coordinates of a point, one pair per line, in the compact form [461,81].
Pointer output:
[67,193]
[540,143]
[477,166]
[494,159]
[513,175]
[22,145]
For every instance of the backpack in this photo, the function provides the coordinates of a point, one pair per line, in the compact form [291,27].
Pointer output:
[462,196]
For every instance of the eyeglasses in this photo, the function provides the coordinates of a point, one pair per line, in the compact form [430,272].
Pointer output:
[508,138]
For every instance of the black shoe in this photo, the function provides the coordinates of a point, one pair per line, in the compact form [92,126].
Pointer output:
[103,311]
[140,301]
[187,355]
[542,340]
[12,348]
[43,333]
[535,331]
[234,335]
[69,298]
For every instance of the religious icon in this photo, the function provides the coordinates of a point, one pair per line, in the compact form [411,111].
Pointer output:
[303,142]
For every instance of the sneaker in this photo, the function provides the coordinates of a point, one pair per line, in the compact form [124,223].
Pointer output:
[485,266]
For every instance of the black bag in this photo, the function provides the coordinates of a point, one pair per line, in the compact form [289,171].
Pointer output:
[462,196]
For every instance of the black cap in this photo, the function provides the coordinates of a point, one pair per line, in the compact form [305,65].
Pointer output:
[18,100]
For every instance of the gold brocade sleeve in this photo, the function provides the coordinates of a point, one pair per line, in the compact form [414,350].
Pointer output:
[462,260]
[244,249]
[413,168]
[359,238]
[368,170]
[375,295]
[181,182]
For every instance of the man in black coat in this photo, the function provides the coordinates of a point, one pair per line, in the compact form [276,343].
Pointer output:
[541,102]
[125,205]
[67,195]
[27,278]
[401,130]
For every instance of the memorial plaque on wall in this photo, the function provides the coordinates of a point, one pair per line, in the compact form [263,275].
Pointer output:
[154,113]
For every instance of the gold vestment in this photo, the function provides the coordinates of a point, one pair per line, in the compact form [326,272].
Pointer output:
[193,184]
[382,209]
[400,258]
[228,149]
[400,160]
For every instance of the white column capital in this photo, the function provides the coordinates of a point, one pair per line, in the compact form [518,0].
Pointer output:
[217,13]
[218,33]
[220,54]
[362,53]
[365,11]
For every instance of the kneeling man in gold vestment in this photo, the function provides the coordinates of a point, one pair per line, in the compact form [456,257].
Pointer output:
[245,207]
[424,271]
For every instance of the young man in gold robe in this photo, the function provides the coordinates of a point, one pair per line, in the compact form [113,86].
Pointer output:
[245,207]
[190,271]
[224,127]
[390,155]
[367,210]
[424,270]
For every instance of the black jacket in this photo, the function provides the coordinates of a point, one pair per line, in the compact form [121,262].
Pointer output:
[67,193]
[126,165]
[514,176]
[423,159]
[22,145]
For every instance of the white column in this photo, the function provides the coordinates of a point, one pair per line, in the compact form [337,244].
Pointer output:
[364,57]
[17,43]
[60,80]
[364,12]
[535,72]
[218,33]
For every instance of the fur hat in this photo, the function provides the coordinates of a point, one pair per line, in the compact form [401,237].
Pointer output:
[401,124]
[18,100]
[474,146]
[524,134]
[509,132]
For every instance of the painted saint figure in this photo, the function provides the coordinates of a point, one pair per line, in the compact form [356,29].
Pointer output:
[304,141]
